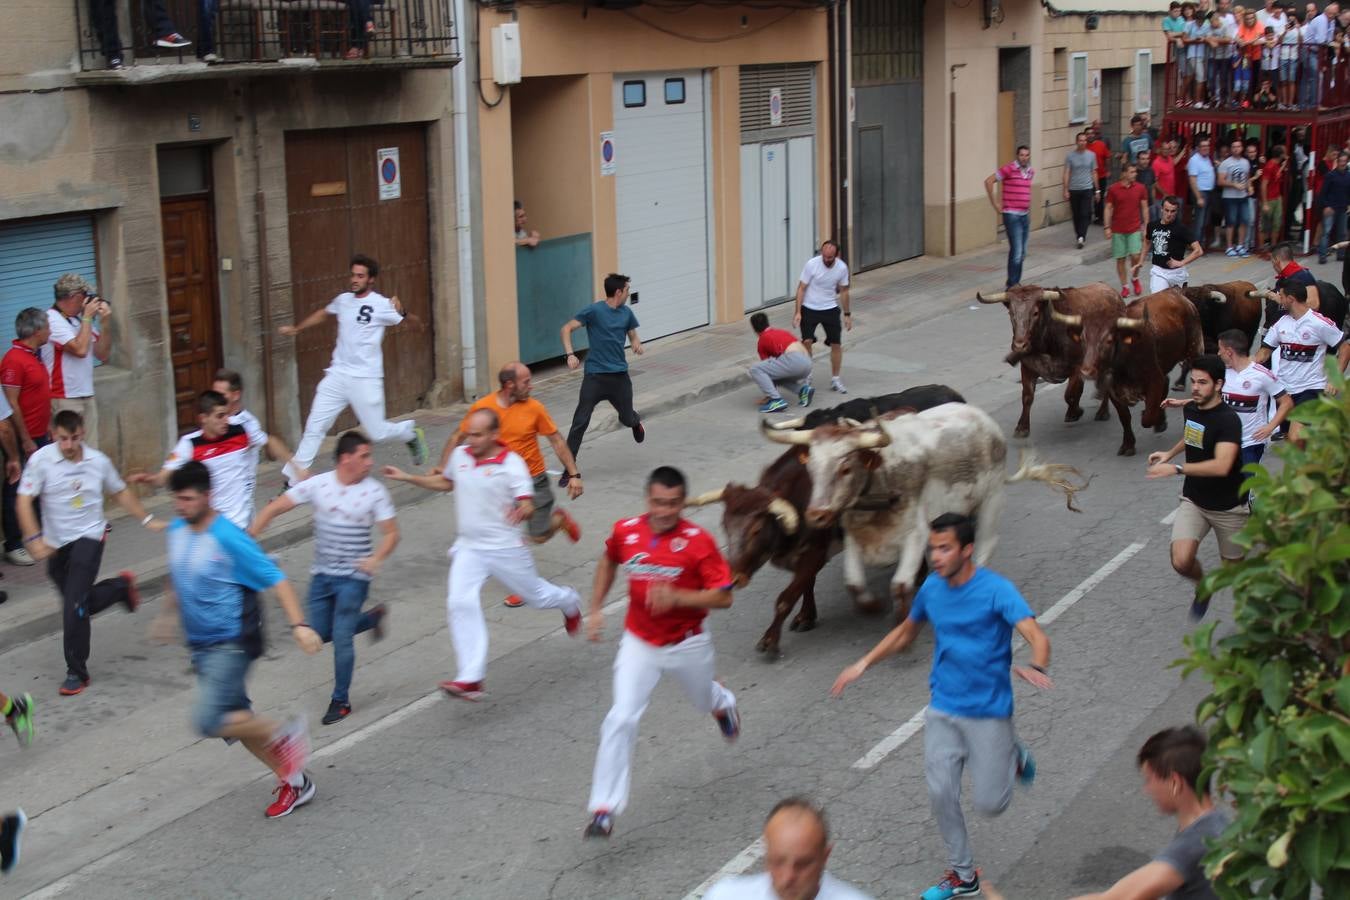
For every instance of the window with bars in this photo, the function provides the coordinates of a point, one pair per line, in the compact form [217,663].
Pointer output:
[887,41]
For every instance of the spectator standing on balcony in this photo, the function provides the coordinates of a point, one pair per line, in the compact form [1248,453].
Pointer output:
[1290,42]
[1080,185]
[1272,195]
[1174,23]
[1335,198]
[1182,55]
[524,236]
[1224,53]
[1197,56]
[1249,37]
[1126,218]
[1317,34]
[74,345]
[1102,151]
[1014,180]
[361,27]
[1265,97]
[1137,140]
[1200,172]
[1270,56]
[103,16]
[28,391]
[1233,174]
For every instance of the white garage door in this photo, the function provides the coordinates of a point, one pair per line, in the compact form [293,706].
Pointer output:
[661,181]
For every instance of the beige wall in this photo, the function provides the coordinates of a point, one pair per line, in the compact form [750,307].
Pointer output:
[1113,44]
[551,153]
[558,41]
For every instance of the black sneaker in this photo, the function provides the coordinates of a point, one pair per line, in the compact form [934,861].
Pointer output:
[10,831]
[336,712]
[601,825]
[115,64]
[1199,608]
[377,612]
[639,433]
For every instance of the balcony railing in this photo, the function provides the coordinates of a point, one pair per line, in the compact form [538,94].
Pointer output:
[230,33]
[1330,75]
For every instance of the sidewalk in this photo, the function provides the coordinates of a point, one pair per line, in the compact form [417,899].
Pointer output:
[672,373]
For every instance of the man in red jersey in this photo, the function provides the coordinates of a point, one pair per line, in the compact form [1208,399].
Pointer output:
[675,575]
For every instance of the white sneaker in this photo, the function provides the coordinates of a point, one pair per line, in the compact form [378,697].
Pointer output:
[21,557]
[838,386]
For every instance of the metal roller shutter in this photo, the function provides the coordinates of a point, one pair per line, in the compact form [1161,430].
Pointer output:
[33,254]
[799,102]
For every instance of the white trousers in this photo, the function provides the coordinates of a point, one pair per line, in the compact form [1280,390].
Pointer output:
[514,568]
[335,393]
[637,669]
[1160,279]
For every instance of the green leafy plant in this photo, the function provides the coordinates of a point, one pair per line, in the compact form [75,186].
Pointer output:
[1279,711]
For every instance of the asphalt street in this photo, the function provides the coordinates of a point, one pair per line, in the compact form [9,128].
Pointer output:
[421,795]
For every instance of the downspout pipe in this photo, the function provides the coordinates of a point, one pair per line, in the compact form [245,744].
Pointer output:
[463,236]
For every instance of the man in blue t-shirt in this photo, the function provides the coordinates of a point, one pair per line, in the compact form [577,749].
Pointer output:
[608,323]
[213,565]
[969,719]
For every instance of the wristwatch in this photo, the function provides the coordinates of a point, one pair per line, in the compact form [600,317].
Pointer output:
[1178,468]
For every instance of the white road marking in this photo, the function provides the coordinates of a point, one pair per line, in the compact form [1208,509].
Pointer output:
[57,888]
[893,741]
[1170,517]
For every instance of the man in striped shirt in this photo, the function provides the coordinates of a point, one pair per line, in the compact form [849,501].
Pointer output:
[1014,181]
[347,502]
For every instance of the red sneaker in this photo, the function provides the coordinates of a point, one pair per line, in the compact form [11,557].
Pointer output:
[133,593]
[354,53]
[1124,292]
[288,798]
[570,526]
[513,601]
[572,623]
[1138,288]
[464,690]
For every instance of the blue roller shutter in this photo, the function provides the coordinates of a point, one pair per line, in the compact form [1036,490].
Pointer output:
[33,254]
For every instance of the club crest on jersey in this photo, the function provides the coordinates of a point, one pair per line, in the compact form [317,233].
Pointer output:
[630,538]
[636,568]
[678,544]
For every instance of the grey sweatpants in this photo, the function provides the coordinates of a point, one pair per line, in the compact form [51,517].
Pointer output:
[949,742]
[791,367]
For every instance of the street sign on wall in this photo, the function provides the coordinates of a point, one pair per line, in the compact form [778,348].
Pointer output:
[387,173]
[608,155]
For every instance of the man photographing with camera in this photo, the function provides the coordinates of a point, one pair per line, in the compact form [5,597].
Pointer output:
[74,345]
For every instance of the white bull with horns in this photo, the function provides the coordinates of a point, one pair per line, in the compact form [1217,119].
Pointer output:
[885,481]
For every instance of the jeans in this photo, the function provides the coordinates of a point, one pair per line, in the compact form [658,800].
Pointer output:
[1252,454]
[221,672]
[73,569]
[1309,86]
[1017,225]
[1333,231]
[1080,205]
[1100,203]
[334,605]
[1201,219]
[617,388]
[206,26]
[9,504]
[1220,71]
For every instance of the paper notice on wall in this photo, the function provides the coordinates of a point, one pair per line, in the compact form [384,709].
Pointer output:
[608,154]
[775,107]
[387,173]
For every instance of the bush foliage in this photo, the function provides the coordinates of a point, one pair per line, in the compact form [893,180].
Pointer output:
[1279,711]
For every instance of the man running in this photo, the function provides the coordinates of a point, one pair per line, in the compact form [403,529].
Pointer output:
[69,479]
[1304,337]
[228,449]
[796,847]
[347,503]
[969,719]
[1252,391]
[822,299]
[1171,248]
[782,358]
[230,385]
[607,322]
[18,713]
[675,575]
[1211,494]
[523,421]
[495,495]
[214,569]
[355,377]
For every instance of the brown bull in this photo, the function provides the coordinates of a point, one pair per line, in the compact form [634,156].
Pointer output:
[1045,346]
[1130,356]
[1232,304]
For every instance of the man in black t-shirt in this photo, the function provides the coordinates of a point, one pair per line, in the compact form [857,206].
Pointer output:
[1211,495]
[1171,247]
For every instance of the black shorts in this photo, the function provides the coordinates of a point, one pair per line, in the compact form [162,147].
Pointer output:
[828,319]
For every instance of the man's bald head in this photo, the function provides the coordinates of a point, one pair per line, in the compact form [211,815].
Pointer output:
[514,378]
[797,846]
[480,433]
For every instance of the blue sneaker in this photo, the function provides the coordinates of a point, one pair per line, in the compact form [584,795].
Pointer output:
[729,723]
[951,885]
[806,394]
[777,404]
[1026,765]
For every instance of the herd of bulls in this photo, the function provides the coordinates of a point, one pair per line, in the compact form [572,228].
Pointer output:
[866,476]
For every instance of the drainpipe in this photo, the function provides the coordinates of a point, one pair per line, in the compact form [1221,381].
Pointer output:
[464,238]
[839,46]
[951,158]
[264,275]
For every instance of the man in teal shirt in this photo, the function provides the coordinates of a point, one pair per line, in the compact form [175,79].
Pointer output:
[608,323]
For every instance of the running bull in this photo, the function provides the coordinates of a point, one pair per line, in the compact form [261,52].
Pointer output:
[884,481]
[764,523]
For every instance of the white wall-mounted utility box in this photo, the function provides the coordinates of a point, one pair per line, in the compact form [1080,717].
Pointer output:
[506,53]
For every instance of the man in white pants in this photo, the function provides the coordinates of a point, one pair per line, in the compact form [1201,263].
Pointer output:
[675,575]
[355,378]
[1171,247]
[496,494]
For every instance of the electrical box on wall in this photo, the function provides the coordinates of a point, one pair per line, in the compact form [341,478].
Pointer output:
[506,53]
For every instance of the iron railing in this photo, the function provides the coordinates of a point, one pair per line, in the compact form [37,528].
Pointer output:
[263,31]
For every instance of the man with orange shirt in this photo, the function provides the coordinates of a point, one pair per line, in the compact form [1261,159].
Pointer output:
[523,421]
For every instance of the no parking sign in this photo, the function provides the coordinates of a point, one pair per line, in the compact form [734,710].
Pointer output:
[387,173]
[608,155]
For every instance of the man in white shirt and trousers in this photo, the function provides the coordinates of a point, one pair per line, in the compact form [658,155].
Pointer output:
[356,376]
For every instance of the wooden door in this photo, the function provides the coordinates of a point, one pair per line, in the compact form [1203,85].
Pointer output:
[190,282]
[334,211]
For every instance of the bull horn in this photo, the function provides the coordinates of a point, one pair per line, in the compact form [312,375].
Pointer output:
[1000,297]
[1050,296]
[709,497]
[785,514]
[851,423]
[1130,324]
[1218,297]
[1270,295]
[795,438]
[789,424]
[1062,318]
[1255,295]
[872,440]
